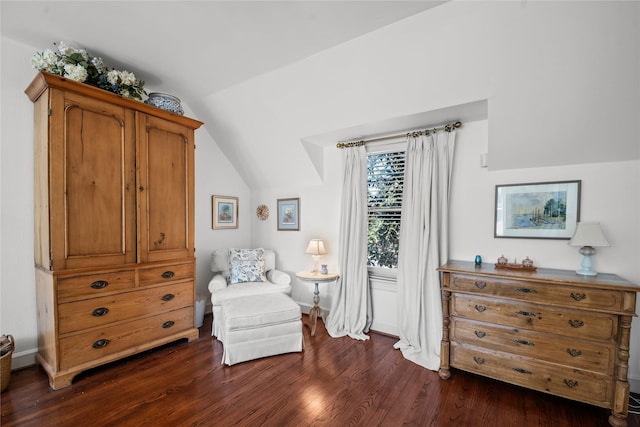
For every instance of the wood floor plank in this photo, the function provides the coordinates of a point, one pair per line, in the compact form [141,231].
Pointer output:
[334,382]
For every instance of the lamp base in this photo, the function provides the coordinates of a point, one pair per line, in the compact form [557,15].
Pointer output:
[587,266]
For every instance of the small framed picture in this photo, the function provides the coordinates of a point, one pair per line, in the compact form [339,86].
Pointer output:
[541,210]
[289,214]
[224,212]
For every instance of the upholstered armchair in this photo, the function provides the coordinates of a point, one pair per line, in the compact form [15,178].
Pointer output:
[253,272]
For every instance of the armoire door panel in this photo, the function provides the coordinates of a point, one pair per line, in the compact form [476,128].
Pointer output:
[98,164]
[166,209]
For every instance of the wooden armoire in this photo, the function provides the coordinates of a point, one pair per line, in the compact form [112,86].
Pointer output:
[114,226]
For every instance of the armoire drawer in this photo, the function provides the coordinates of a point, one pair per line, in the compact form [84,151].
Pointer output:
[166,273]
[541,293]
[89,313]
[103,342]
[569,351]
[70,288]
[584,386]
[571,323]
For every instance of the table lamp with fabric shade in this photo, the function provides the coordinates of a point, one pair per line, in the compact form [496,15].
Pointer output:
[588,235]
[315,248]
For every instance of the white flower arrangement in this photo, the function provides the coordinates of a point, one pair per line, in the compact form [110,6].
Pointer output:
[76,64]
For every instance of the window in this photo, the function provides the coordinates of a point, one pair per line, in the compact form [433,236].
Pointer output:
[385,179]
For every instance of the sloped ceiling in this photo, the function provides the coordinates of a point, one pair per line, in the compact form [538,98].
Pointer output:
[196,48]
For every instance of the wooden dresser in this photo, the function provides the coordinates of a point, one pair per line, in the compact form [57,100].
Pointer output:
[114,226]
[549,330]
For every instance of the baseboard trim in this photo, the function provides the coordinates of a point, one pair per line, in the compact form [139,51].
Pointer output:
[24,358]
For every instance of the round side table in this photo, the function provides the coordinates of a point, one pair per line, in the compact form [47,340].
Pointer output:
[316,278]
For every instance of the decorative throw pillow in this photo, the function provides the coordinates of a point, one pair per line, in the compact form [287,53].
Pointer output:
[246,265]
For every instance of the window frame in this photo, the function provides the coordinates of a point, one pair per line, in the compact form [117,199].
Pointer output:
[379,147]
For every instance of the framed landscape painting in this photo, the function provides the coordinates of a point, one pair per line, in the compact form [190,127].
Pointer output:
[224,212]
[541,210]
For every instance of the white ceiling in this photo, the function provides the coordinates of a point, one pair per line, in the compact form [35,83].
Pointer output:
[197,48]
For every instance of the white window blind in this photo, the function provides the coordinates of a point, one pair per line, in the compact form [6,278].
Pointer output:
[385,179]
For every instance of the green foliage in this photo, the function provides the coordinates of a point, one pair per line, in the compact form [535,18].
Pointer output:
[385,172]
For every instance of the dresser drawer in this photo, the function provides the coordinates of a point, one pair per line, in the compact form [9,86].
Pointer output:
[571,323]
[166,273]
[541,293]
[99,343]
[574,384]
[85,314]
[71,288]
[593,355]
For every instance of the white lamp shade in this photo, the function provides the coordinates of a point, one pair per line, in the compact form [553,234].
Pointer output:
[588,234]
[316,247]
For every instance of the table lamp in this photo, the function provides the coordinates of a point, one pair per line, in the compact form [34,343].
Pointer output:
[315,248]
[588,235]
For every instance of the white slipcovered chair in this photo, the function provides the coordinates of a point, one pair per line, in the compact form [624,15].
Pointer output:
[221,289]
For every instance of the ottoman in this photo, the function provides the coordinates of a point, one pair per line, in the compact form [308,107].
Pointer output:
[255,326]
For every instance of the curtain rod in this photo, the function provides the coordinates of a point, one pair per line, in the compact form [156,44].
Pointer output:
[448,127]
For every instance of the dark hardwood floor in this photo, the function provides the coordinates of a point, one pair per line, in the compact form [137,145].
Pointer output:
[335,382]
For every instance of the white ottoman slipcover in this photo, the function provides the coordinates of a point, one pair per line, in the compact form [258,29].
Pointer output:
[255,326]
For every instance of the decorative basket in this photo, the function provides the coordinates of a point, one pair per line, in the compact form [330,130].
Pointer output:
[5,363]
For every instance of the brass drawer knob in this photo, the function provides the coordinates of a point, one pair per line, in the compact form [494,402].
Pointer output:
[578,297]
[480,334]
[576,323]
[480,285]
[168,297]
[574,352]
[168,274]
[570,383]
[480,308]
[478,360]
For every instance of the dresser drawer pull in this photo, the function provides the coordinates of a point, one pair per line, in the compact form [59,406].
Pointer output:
[522,371]
[570,383]
[573,352]
[481,285]
[168,324]
[168,297]
[99,284]
[578,297]
[480,334]
[480,308]
[524,342]
[478,360]
[576,323]
[525,313]
[99,312]
[100,344]
[527,290]
[168,274]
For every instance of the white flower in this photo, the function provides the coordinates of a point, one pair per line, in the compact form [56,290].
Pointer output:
[77,64]
[113,76]
[64,49]
[75,72]
[127,78]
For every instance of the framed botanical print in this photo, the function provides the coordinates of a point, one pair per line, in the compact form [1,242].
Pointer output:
[224,212]
[289,214]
